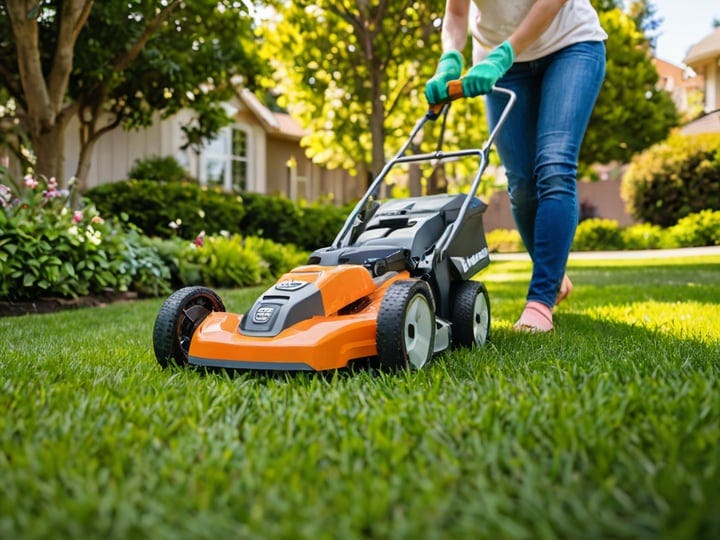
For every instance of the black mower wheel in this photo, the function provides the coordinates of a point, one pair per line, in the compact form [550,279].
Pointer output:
[470,316]
[405,326]
[177,321]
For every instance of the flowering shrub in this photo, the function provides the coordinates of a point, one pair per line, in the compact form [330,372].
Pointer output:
[48,249]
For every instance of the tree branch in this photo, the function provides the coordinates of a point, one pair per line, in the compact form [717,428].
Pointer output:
[32,80]
[73,16]
[124,60]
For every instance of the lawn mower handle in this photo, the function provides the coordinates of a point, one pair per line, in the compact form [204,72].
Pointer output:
[455,92]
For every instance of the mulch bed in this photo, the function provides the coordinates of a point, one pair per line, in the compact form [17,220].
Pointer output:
[51,305]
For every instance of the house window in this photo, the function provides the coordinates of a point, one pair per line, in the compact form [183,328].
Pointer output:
[297,184]
[224,161]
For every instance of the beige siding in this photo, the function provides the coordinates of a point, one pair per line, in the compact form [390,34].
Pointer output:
[269,152]
[117,151]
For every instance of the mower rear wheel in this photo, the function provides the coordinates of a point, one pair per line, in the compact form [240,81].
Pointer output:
[405,326]
[177,321]
[470,315]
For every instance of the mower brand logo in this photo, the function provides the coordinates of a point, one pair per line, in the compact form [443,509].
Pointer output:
[290,285]
[468,262]
[263,314]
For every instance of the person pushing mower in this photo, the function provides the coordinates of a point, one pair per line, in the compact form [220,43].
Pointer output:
[551,54]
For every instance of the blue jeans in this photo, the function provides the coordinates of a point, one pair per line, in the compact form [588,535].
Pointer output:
[539,146]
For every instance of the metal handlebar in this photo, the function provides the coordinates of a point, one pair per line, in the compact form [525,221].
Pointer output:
[454,92]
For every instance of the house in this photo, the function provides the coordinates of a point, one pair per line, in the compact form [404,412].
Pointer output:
[704,59]
[259,152]
[679,82]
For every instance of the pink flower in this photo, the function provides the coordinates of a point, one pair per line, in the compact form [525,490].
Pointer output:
[30,182]
[77,216]
[200,239]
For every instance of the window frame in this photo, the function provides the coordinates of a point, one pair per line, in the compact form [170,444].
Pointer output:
[227,158]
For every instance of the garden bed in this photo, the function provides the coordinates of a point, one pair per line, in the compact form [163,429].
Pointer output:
[51,305]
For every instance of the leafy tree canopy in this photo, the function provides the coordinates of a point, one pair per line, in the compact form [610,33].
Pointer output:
[631,114]
[118,63]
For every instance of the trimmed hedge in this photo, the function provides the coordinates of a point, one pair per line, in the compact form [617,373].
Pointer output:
[595,234]
[184,209]
[674,179]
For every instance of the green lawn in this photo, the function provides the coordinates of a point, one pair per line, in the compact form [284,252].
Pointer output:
[608,428]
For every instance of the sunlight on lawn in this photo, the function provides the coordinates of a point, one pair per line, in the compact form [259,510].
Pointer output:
[683,320]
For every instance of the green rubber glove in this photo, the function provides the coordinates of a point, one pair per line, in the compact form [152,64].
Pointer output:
[481,78]
[449,69]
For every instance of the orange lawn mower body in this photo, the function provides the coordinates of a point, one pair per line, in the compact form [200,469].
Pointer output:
[394,288]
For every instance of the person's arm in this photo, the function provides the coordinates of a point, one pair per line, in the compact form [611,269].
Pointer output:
[481,78]
[455,25]
[454,37]
[536,21]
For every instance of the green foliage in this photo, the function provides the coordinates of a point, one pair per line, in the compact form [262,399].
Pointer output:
[601,430]
[277,258]
[159,169]
[169,208]
[673,179]
[699,229]
[631,114]
[185,209]
[224,262]
[47,249]
[234,261]
[598,234]
[642,236]
[696,230]
[352,73]
[504,241]
[130,60]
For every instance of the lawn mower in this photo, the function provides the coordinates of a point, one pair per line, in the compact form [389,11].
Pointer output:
[393,289]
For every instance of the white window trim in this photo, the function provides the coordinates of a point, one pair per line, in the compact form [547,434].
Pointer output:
[226,133]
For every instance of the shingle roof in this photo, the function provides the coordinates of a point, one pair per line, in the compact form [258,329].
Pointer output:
[278,124]
[706,48]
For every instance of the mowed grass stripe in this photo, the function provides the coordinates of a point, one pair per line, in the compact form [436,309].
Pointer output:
[607,428]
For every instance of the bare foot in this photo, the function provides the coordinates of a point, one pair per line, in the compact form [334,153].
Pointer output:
[536,317]
[566,288]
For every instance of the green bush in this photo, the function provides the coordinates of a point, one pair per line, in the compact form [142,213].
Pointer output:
[159,169]
[168,209]
[642,236]
[48,249]
[598,234]
[185,209]
[278,258]
[674,179]
[504,241]
[225,260]
[700,229]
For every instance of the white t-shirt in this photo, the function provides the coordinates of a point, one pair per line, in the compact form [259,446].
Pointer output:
[492,22]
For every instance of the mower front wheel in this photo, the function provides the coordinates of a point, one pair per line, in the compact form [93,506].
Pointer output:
[177,321]
[405,326]
[470,316]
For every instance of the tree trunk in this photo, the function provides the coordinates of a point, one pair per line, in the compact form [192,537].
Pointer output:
[414,180]
[45,95]
[83,168]
[437,183]
[377,133]
[49,152]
